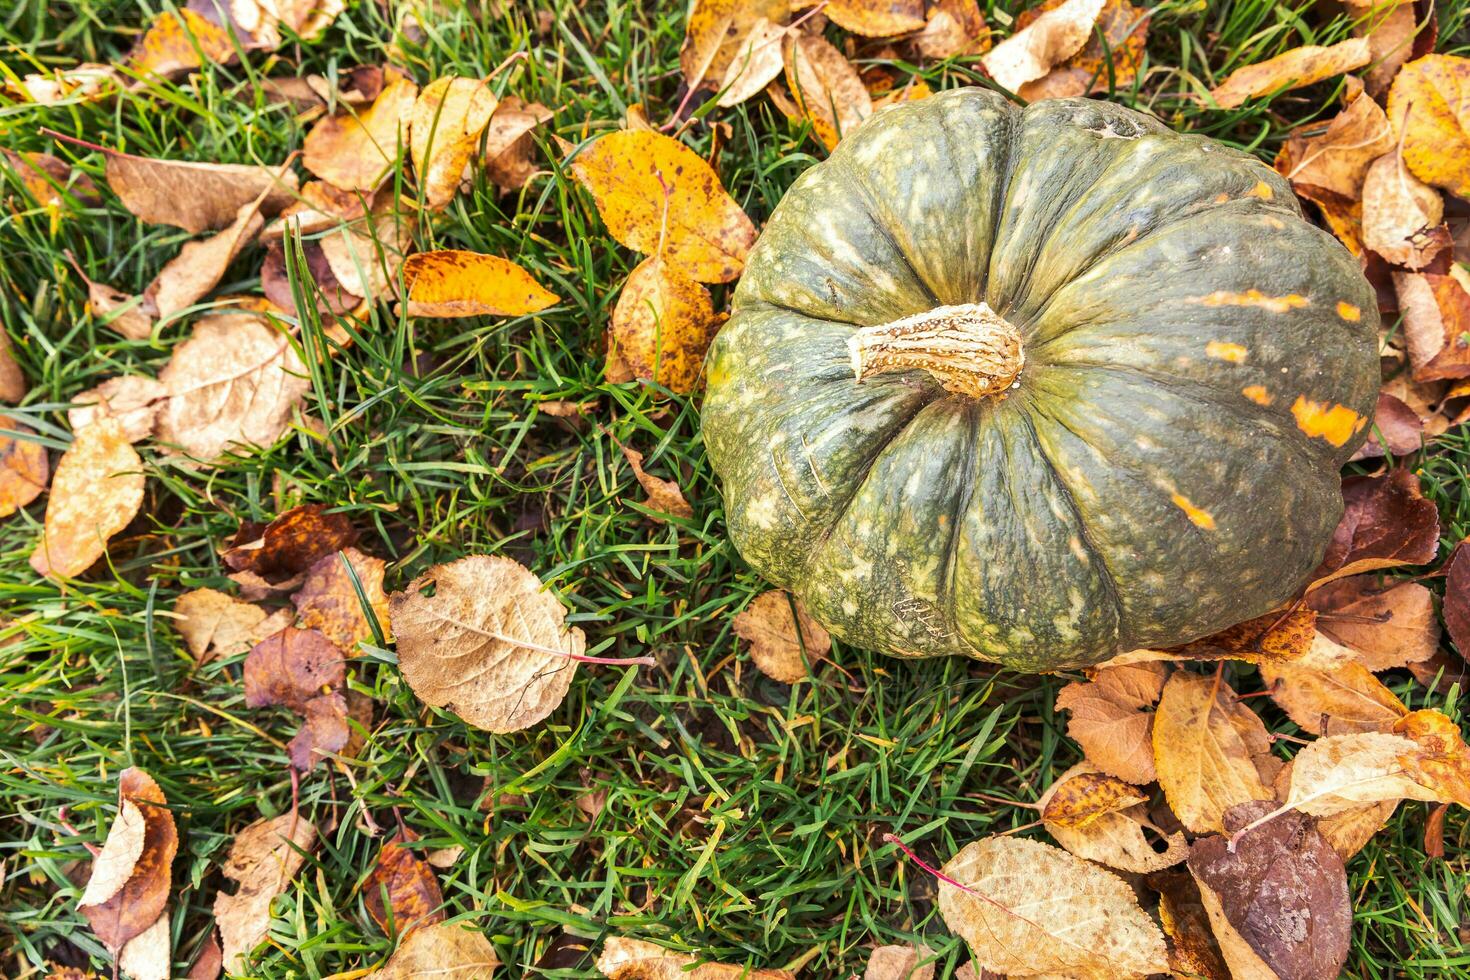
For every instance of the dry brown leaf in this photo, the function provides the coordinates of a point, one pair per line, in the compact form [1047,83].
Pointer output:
[778,640]
[1102,819]
[1397,430]
[356,150]
[634,959]
[1109,721]
[1047,41]
[954,27]
[200,265]
[209,964]
[289,545]
[49,180]
[331,297]
[235,383]
[1436,318]
[1293,69]
[1350,829]
[453,283]
[365,256]
[82,83]
[193,196]
[1391,30]
[118,311]
[133,399]
[1430,105]
[1211,751]
[663,495]
[96,492]
[1111,61]
[876,18]
[179,42]
[401,892]
[444,132]
[321,207]
[1387,625]
[132,873]
[1401,214]
[1386,521]
[148,955]
[509,148]
[444,951]
[714,31]
[490,644]
[658,197]
[1081,922]
[662,326]
[758,62]
[24,467]
[291,668]
[1193,951]
[1333,702]
[1338,159]
[328,600]
[900,963]
[326,729]
[263,859]
[827,89]
[215,625]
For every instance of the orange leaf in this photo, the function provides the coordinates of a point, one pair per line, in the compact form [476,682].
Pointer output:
[662,326]
[454,283]
[356,151]
[1292,69]
[96,493]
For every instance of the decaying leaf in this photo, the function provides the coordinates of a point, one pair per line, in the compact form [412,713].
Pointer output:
[662,326]
[210,962]
[131,875]
[1398,430]
[133,399]
[96,492]
[402,893]
[1344,699]
[954,27]
[900,963]
[356,150]
[509,148]
[24,467]
[148,955]
[1277,637]
[634,959]
[1400,214]
[444,132]
[179,42]
[1386,625]
[1109,61]
[1457,599]
[1393,37]
[332,298]
[443,951]
[1102,819]
[1338,159]
[291,668]
[196,197]
[826,87]
[215,625]
[200,265]
[1277,899]
[757,63]
[1293,69]
[328,600]
[884,18]
[1386,521]
[234,383]
[778,640]
[326,728]
[1349,830]
[1081,795]
[1193,951]
[1110,719]
[289,545]
[1028,908]
[1442,762]
[714,31]
[1211,751]
[263,859]
[452,283]
[663,495]
[1430,105]
[1343,772]
[490,644]
[1436,312]
[658,197]
[1047,41]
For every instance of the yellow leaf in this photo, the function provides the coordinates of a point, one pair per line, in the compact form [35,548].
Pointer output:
[453,283]
[662,326]
[1103,819]
[96,493]
[444,132]
[657,196]
[1332,702]
[1082,797]
[23,468]
[356,150]
[1293,69]
[757,63]
[179,42]
[877,18]
[827,88]
[1430,106]
[714,32]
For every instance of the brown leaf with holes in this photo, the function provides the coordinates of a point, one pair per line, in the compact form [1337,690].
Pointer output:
[1337,160]
[196,197]
[825,86]
[954,27]
[1193,951]
[876,18]
[1110,61]
[1296,68]
[1277,899]
[96,492]
[757,63]
[1110,719]
[1045,42]
[1211,751]
[490,644]
[401,892]
[1102,819]
[633,959]
[131,876]
[1386,522]
[713,33]
[443,951]
[179,42]
[24,467]
[215,625]
[444,133]
[1436,312]
[291,544]
[661,328]
[1333,702]
[291,668]
[663,495]
[356,149]
[328,599]
[453,283]
[781,645]
[263,859]
[1429,103]
[1386,624]
[133,399]
[1401,214]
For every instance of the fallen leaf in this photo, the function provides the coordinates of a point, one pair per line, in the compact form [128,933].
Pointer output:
[1102,819]
[1028,908]
[1193,951]
[326,729]
[328,600]
[263,859]
[320,207]
[133,399]
[1110,722]
[1343,772]
[49,180]
[1443,761]
[658,197]
[757,63]
[662,326]
[196,197]
[1430,105]
[401,892]
[1397,430]
[876,18]
[1332,702]
[1277,637]
[827,89]
[490,644]
[24,467]
[1047,41]
[215,625]
[713,33]
[954,28]
[96,492]
[1338,159]
[1456,598]
[1349,830]
[365,256]
[179,42]
[444,132]
[1211,751]
[444,951]
[234,383]
[1387,625]
[200,265]
[118,311]
[81,83]
[291,544]
[1400,214]
[291,668]
[1436,324]
[148,955]
[132,871]
[356,150]
[1390,28]
[210,962]
[332,298]
[1277,896]
[1386,521]
[634,959]
[1296,68]
[1106,62]
[1078,798]
[781,645]
[453,283]
[900,963]
[509,148]
[663,495]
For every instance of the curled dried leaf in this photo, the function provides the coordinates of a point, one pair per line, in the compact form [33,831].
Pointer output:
[1296,68]
[1333,702]
[1110,58]
[1436,312]
[1430,105]
[1101,818]
[713,33]
[196,197]
[216,625]
[1386,625]
[781,644]
[1050,39]
[1386,521]
[1337,160]
[291,544]
[1401,214]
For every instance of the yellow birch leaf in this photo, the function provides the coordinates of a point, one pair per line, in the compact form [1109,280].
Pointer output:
[662,326]
[452,283]
[444,132]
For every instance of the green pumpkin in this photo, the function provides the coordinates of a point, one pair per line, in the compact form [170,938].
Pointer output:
[1038,386]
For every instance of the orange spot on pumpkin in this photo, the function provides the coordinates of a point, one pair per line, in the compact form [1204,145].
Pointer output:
[1257,394]
[1349,312]
[1221,198]
[1223,350]
[1335,423]
[1261,190]
[1197,517]
[1253,297]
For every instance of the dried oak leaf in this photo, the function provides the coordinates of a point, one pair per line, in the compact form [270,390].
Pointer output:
[179,42]
[633,959]
[758,63]
[1110,719]
[778,640]
[444,133]
[196,197]
[663,495]
[444,951]
[401,892]
[1102,819]
[291,668]
[826,87]
[1292,69]
[1344,699]
[1029,908]
[131,874]
[1109,61]
[264,858]
[1210,750]
[1193,951]
[1386,521]
[490,644]
[215,625]
[1338,159]
[356,150]
[328,599]
[133,399]
[509,148]
[1401,214]
[1047,41]
[661,328]
[713,33]
[1277,896]
[291,544]
[96,492]
[234,383]
[451,283]
[1430,104]
[1386,625]
[876,18]
[24,467]
[1436,312]
[900,963]
[954,27]
[657,196]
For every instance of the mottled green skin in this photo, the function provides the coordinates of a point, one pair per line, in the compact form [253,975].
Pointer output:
[1039,530]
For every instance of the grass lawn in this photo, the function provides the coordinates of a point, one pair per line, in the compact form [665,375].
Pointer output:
[743,818]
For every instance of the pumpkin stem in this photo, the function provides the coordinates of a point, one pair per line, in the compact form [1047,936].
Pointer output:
[969,349]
